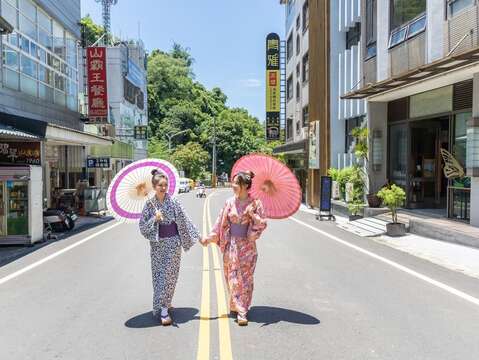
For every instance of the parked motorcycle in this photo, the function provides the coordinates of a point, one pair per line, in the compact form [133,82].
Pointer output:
[59,220]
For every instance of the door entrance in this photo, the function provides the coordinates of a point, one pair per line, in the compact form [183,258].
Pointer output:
[427,185]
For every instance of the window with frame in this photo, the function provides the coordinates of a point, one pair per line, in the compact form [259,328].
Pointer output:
[305,16]
[403,11]
[289,47]
[289,88]
[353,36]
[305,116]
[298,44]
[371,28]
[298,22]
[289,128]
[456,6]
[298,70]
[298,127]
[298,91]
[305,68]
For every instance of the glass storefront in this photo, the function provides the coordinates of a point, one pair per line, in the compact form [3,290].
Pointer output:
[14,208]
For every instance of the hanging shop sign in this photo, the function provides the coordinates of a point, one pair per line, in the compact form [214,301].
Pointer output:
[314,145]
[98,163]
[97,85]
[273,87]
[20,153]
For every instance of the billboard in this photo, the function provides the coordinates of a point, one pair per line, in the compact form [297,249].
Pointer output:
[273,87]
[97,85]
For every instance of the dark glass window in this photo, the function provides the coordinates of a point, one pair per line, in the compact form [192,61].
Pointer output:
[305,16]
[305,68]
[289,128]
[456,6]
[350,125]
[353,36]
[403,11]
[289,47]
[305,116]
[371,28]
[289,88]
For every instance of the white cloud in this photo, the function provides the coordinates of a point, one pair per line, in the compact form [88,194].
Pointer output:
[250,83]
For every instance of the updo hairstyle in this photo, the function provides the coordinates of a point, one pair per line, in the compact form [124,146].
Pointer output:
[157,177]
[245,178]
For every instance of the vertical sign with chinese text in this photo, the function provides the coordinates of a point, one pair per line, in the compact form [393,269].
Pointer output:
[273,87]
[97,85]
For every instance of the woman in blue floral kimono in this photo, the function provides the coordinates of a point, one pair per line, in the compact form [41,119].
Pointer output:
[165,223]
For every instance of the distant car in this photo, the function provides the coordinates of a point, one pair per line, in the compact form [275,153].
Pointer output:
[184,185]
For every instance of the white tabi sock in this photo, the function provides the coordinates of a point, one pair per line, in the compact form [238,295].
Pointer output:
[164,311]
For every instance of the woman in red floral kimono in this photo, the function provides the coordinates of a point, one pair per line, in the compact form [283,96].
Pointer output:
[239,225]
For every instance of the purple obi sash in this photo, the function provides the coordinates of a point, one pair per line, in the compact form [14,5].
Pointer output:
[239,230]
[167,231]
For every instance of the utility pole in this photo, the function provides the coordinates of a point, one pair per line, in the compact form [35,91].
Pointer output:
[213,166]
[171,136]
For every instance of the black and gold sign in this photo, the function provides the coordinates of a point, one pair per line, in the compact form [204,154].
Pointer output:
[140,132]
[273,86]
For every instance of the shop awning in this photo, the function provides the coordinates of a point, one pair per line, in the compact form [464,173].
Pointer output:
[8,132]
[65,136]
[298,147]
[443,72]
[117,150]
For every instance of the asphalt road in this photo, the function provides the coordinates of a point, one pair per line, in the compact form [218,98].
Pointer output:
[320,293]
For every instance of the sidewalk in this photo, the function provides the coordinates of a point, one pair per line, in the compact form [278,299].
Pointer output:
[455,257]
[12,253]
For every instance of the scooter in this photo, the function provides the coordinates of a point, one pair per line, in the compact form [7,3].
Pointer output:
[201,192]
[59,220]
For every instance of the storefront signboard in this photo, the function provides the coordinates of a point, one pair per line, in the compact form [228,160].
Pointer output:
[97,85]
[20,153]
[326,187]
[273,84]
[140,132]
[98,163]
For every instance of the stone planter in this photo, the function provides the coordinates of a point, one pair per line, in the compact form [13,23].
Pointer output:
[335,192]
[354,217]
[396,229]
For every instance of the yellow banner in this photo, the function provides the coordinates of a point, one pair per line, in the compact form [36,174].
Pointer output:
[273,91]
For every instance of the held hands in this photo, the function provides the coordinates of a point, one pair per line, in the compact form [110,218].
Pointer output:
[204,241]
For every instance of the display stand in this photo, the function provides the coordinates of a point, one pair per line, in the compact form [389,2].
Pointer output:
[325,200]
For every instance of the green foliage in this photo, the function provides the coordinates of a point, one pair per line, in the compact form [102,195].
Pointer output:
[334,173]
[92,31]
[191,158]
[343,177]
[361,148]
[393,197]
[355,207]
[158,149]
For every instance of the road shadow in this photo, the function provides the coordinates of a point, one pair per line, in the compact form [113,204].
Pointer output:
[268,315]
[148,320]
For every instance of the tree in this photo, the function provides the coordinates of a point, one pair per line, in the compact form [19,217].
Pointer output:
[92,31]
[191,158]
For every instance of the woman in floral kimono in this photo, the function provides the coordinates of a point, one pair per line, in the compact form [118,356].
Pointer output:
[237,228]
[165,223]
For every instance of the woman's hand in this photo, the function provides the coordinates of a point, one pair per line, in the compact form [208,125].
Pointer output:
[204,241]
[158,215]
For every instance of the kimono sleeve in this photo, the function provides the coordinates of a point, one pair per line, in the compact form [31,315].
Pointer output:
[258,220]
[188,232]
[147,223]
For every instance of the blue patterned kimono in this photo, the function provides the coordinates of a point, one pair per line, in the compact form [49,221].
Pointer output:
[166,252]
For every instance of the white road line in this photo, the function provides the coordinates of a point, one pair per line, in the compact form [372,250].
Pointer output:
[54,255]
[400,267]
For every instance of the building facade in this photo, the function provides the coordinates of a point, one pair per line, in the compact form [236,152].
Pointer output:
[297,90]
[40,121]
[421,82]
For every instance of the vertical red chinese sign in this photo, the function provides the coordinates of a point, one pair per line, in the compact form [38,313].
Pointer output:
[97,85]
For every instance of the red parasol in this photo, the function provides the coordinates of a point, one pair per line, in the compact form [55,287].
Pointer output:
[274,184]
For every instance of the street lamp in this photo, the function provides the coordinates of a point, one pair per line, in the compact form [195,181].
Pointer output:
[171,136]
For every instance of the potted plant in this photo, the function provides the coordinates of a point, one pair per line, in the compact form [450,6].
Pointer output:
[342,179]
[393,197]
[335,192]
[361,150]
[355,208]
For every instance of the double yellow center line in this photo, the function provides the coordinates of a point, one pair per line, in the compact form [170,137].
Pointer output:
[222,314]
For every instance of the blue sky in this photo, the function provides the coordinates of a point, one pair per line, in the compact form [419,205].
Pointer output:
[225,37]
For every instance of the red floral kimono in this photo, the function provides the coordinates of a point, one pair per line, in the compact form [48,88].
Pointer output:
[239,253]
